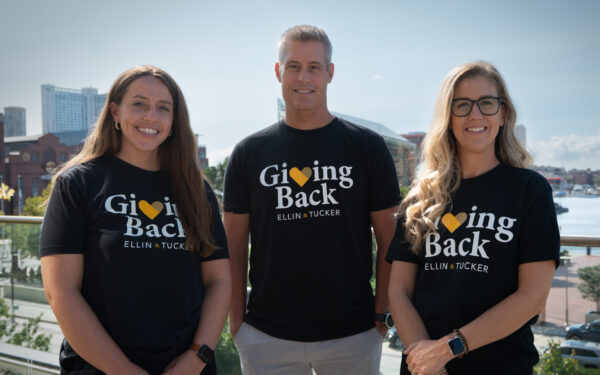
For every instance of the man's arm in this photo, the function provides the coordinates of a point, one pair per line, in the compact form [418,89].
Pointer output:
[384,226]
[237,228]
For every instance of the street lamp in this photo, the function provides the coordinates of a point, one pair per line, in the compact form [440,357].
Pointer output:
[566,260]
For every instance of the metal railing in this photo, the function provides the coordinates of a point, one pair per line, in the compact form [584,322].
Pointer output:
[21,360]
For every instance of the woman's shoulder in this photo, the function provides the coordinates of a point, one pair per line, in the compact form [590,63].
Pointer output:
[526,178]
[85,172]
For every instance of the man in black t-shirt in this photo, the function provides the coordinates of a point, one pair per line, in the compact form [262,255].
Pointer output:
[307,191]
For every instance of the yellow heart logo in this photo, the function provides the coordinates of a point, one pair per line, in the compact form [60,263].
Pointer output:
[300,176]
[452,222]
[150,210]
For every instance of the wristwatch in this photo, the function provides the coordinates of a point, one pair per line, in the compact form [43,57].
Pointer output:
[458,344]
[206,354]
[385,318]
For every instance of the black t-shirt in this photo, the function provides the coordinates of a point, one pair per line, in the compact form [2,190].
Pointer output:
[138,278]
[497,221]
[309,194]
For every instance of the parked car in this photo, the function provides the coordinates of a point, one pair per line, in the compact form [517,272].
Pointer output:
[394,339]
[586,353]
[585,331]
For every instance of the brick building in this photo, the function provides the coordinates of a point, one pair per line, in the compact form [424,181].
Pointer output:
[28,165]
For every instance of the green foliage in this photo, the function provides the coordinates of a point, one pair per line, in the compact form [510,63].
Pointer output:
[589,371]
[590,284]
[228,361]
[404,190]
[215,175]
[22,334]
[28,335]
[25,238]
[36,206]
[552,362]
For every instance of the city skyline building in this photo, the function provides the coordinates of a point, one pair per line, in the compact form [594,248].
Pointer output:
[65,109]
[14,121]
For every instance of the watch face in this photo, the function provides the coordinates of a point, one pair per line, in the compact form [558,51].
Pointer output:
[456,345]
[389,322]
[206,354]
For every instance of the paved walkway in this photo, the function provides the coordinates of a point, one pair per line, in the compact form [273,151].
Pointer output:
[563,289]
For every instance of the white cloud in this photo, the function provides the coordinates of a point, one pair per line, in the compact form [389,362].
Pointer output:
[377,77]
[216,155]
[570,151]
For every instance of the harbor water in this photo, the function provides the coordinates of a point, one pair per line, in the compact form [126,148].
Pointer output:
[583,219]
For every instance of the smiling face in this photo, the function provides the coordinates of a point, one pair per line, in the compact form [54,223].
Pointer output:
[304,75]
[145,115]
[476,133]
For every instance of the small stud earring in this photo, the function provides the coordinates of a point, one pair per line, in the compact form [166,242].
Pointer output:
[117,126]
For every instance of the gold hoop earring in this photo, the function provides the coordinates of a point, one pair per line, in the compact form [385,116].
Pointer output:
[117,126]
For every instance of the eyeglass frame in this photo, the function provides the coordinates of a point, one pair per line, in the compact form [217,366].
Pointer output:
[498,98]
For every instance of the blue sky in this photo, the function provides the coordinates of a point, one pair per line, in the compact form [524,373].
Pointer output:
[390,56]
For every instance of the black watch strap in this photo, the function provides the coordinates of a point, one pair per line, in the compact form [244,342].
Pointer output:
[206,354]
[385,318]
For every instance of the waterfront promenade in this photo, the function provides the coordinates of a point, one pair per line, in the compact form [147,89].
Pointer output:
[578,307]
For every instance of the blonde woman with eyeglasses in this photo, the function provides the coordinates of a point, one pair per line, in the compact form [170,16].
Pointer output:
[477,242]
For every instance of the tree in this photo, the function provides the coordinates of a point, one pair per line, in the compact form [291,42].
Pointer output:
[228,361]
[215,175]
[36,206]
[22,334]
[590,284]
[553,363]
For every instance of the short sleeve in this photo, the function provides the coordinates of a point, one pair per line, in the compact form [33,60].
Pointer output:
[64,226]
[235,194]
[383,180]
[217,229]
[539,237]
[399,248]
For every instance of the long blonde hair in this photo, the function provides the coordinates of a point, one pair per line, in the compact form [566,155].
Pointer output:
[177,157]
[431,192]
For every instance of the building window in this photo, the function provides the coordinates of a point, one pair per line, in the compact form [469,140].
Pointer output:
[63,157]
[49,155]
[34,187]
[35,157]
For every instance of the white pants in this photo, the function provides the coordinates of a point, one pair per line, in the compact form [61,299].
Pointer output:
[261,354]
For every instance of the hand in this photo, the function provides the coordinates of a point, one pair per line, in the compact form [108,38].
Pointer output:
[382,328]
[426,357]
[234,326]
[186,363]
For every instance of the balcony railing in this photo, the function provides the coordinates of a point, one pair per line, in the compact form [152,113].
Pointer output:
[20,285]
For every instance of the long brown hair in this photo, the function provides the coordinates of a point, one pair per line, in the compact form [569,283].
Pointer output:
[177,157]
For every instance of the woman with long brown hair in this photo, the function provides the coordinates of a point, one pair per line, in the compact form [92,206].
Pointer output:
[134,257]
[476,247]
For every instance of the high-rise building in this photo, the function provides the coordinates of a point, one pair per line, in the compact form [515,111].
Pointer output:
[521,134]
[14,121]
[69,109]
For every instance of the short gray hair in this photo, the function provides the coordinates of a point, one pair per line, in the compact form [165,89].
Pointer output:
[304,33]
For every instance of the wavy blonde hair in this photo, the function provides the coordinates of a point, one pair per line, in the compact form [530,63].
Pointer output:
[431,192]
[177,157]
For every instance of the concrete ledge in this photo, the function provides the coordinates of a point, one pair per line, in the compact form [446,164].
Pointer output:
[24,361]
[24,293]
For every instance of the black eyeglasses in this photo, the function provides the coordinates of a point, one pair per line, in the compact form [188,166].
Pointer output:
[488,106]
